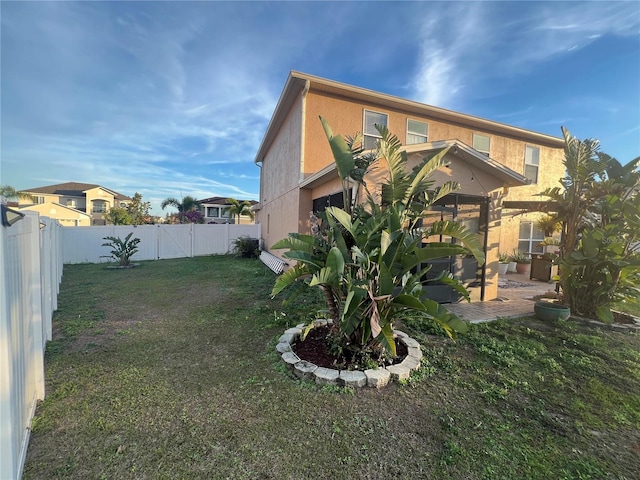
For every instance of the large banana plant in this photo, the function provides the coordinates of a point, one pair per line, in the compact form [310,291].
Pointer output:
[368,257]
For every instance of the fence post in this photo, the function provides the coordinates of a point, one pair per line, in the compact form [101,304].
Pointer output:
[192,238]
[8,454]
[35,319]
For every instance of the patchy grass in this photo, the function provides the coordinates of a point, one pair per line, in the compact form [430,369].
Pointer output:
[169,371]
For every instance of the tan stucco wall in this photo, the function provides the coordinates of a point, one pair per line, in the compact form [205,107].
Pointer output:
[551,170]
[345,117]
[285,207]
[65,216]
[280,212]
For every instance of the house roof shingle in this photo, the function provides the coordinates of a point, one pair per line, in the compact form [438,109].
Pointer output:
[73,189]
[222,201]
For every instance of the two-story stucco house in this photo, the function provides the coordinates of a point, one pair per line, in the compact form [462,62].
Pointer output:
[73,203]
[493,162]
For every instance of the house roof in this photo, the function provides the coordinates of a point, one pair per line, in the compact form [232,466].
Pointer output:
[59,205]
[222,201]
[298,82]
[509,178]
[73,189]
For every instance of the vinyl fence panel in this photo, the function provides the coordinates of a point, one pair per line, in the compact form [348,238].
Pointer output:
[84,244]
[30,260]
[174,241]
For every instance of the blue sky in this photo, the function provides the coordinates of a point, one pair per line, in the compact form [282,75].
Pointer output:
[172,98]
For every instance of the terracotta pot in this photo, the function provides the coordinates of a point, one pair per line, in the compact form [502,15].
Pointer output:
[523,267]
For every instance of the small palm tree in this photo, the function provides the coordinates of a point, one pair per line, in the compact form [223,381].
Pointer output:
[238,208]
[8,191]
[187,204]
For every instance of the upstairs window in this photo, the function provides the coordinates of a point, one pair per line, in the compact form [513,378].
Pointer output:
[38,200]
[369,131]
[531,163]
[71,202]
[482,143]
[417,132]
[100,206]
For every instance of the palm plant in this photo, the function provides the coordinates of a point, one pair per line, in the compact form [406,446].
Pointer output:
[237,209]
[367,259]
[187,204]
[122,250]
[185,207]
[599,208]
[8,191]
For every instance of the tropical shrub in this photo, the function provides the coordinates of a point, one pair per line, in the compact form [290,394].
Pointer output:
[118,216]
[369,258]
[598,206]
[193,216]
[122,250]
[246,247]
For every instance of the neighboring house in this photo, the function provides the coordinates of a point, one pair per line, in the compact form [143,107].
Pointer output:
[67,216]
[216,210]
[92,200]
[493,162]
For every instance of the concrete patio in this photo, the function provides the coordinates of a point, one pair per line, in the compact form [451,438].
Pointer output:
[515,299]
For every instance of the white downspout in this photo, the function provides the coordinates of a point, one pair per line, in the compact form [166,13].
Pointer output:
[303,126]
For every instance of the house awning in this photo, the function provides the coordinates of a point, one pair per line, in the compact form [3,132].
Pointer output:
[509,178]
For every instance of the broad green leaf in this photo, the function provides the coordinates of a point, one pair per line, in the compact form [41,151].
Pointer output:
[326,276]
[335,261]
[604,314]
[342,154]
[343,218]
[296,272]
[386,339]
[409,301]
[386,280]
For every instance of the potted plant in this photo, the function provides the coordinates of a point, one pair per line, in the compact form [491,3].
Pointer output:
[549,311]
[512,263]
[503,263]
[523,262]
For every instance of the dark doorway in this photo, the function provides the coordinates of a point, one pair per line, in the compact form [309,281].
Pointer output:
[473,212]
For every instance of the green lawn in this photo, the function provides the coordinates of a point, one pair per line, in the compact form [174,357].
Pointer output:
[169,371]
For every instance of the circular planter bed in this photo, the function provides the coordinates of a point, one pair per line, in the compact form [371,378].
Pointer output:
[323,375]
[548,311]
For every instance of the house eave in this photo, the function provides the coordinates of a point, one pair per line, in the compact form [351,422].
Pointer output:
[509,178]
[321,177]
[297,81]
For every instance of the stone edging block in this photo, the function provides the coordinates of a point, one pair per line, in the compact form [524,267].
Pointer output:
[375,378]
[616,327]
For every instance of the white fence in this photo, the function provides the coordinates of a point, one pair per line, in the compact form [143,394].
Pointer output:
[31,271]
[84,244]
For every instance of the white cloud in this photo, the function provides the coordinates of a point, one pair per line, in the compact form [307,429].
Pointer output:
[474,41]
